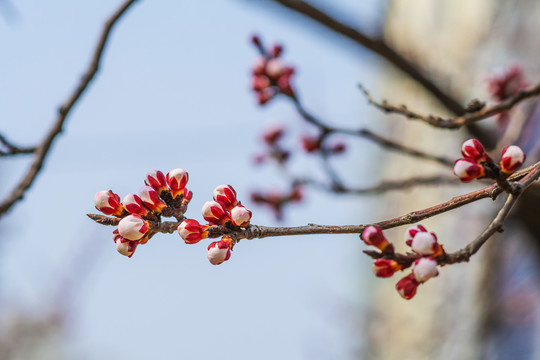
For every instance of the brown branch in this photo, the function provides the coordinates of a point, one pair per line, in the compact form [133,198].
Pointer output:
[43,148]
[13,149]
[458,122]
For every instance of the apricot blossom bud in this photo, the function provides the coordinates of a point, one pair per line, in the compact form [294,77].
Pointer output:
[467,170]
[214,212]
[474,150]
[133,227]
[410,232]
[156,179]
[240,216]
[192,232]
[220,251]
[425,243]
[108,203]
[385,267]
[374,236]
[177,180]
[511,159]
[407,286]
[188,195]
[424,269]
[226,195]
[124,246]
[150,199]
[133,204]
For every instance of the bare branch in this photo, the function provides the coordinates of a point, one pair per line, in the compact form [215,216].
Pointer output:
[43,149]
[13,149]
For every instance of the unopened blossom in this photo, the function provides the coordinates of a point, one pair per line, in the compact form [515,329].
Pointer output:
[407,286]
[177,180]
[124,246]
[215,212]
[467,170]
[385,268]
[374,236]
[192,232]
[133,227]
[188,195]
[220,251]
[474,150]
[150,198]
[424,269]
[411,232]
[240,216]
[157,180]
[511,159]
[425,243]
[311,143]
[133,204]
[108,203]
[226,195]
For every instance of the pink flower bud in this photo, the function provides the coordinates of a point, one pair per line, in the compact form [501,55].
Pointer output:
[192,232]
[220,251]
[133,204]
[150,199]
[425,243]
[410,232]
[260,82]
[124,246]
[311,143]
[407,286]
[108,203]
[273,134]
[277,50]
[512,158]
[374,236]
[385,267]
[156,179]
[226,195]
[259,66]
[215,212]
[424,269]
[177,180]
[240,216]
[474,150]
[274,69]
[133,227]
[467,170]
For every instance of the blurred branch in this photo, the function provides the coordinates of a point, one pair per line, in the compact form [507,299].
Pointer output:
[454,123]
[42,150]
[13,149]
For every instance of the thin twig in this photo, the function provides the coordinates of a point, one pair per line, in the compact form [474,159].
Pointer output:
[13,149]
[43,148]
[457,122]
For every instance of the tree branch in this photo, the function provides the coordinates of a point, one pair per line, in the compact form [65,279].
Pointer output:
[43,149]
[13,149]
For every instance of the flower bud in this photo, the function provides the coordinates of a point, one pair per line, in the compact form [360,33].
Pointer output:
[385,267]
[425,243]
[474,150]
[215,212]
[150,199]
[274,68]
[410,232]
[240,216]
[192,232]
[188,195]
[467,170]
[424,269]
[512,158]
[156,179]
[407,286]
[133,204]
[220,251]
[260,82]
[226,195]
[108,203]
[177,180]
[133,227]
[124,246]
[374,236]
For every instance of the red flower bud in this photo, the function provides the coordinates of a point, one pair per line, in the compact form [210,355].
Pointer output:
[410,232]
[277,50]
[407,286]
[124,246]
[220,251]
[226,195]
[259,66]
[240,216]
[374,236]
[273,134]
[133,204]
[156,179]
[474,150]
[311,143]
[512,158]
[177,180]
[260,82]
[188,195]
[108,203]
[133,227]
[150,199]
[467,170]
[424,269]
[215,213]
[385,267]
[192,232]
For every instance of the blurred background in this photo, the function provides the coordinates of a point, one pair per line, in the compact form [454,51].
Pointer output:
[174,91]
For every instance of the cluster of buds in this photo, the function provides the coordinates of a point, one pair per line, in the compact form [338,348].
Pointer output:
[313,144]
[224,210]
[277,200]
[270,76]
[423,243]
[271,138]
[141,213]
[476,163]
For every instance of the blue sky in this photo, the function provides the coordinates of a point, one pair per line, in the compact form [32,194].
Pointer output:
[173,91]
